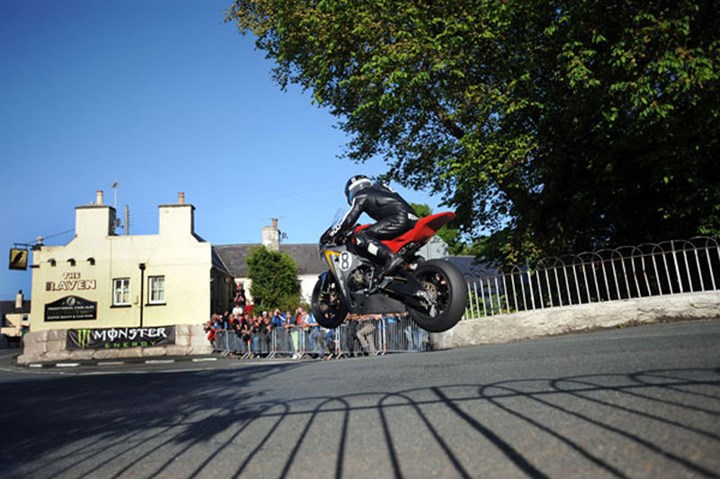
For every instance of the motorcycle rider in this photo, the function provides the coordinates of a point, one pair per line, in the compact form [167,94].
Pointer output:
[393,216]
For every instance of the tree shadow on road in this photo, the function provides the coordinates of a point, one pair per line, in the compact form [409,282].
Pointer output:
[662,423]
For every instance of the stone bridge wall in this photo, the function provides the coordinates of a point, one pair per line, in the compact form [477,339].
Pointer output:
[562,320]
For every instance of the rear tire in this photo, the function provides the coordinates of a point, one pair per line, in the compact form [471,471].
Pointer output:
[328,307]
[448,290]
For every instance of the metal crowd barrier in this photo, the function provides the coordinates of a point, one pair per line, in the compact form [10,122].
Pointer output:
[388,334]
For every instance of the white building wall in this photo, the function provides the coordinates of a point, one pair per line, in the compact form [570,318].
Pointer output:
[87,266]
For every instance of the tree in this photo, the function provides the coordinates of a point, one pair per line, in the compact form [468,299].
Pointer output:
[558,126]
[275,282]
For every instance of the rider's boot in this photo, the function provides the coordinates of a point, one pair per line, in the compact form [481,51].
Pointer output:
[392,262]
[384,256]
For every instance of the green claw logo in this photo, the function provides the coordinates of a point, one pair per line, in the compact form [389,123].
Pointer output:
[84,338]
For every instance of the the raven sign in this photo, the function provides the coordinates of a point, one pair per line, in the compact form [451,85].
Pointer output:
[18,258]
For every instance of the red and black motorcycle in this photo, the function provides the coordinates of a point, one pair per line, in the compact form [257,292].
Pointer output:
[434,292]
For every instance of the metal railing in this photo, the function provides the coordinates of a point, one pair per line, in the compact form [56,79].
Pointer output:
[670,267]
[388,334]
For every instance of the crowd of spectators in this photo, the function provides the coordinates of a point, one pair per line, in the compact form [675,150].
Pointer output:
[294,334]
[298,335]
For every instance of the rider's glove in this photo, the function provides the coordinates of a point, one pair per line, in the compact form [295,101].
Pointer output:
[327,237]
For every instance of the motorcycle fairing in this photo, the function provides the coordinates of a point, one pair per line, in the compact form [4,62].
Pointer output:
[423,230]
[356,303]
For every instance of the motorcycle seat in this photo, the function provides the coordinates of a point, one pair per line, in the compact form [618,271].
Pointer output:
[424,229]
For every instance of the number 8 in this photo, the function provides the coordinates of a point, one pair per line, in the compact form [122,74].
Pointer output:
[345,261]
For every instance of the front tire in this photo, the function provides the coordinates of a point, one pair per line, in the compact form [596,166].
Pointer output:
[447,294]
[328,307]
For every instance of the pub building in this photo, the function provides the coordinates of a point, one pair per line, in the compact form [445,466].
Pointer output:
[103,291]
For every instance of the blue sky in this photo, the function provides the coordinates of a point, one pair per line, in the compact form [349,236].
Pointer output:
[161,96]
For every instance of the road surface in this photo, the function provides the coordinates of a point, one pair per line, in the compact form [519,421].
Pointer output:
[640,402]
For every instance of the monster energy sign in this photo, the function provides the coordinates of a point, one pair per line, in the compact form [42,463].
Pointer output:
[120,338]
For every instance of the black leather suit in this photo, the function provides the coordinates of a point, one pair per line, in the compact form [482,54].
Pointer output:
[393,216]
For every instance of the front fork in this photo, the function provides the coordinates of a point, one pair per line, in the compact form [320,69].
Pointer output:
[326,279]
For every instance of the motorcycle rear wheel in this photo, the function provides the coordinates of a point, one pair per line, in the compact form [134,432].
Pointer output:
[328,307]
[448,290]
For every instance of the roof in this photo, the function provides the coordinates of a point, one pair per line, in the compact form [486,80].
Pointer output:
[306,258]
[218,262]
[8,307]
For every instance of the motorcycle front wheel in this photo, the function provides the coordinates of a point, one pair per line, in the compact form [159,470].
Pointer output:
[445,299]
[328,307]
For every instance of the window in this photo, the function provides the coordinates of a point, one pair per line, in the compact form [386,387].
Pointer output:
[121,292]
[157,289]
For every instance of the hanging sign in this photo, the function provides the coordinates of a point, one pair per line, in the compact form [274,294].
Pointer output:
[18,258]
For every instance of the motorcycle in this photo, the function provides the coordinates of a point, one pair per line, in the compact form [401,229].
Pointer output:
[433,292]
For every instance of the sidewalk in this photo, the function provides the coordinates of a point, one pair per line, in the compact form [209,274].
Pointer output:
[7,359]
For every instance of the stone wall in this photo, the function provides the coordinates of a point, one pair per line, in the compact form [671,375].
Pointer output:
[506,328]
[49,346]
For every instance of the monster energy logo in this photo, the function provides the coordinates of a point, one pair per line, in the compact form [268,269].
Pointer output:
[120,338]
[84,337]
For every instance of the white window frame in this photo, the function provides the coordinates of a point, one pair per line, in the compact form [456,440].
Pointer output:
[121,292]
[156,295]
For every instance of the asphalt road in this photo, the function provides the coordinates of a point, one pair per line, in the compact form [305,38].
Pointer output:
[640,402]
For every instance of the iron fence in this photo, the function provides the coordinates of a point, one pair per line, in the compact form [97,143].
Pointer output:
[671,267]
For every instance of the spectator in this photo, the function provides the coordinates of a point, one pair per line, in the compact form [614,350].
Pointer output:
[266,333]
[314,329]
[351,339]
[255,329]
[240,300]
[217,326]
[366,334]
[208,327]
[330,345]
[413,335]
[301,334]
[278,323]
[291,328]
[391,339]
[246,334]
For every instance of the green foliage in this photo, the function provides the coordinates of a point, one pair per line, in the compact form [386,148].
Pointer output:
[275,282]
[557,126]
[489,305]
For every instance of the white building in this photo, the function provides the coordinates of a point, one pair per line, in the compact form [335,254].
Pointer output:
[306,257]
[102,280]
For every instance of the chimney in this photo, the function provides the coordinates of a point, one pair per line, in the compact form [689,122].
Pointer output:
[19,300]
[271,236]
[96,220]
[177,220]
